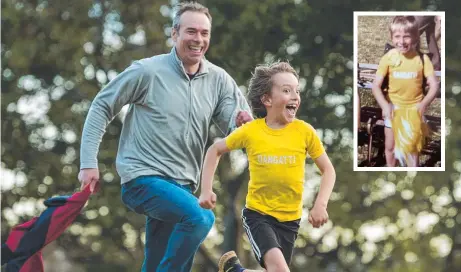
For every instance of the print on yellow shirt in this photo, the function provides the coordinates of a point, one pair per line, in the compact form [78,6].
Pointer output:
[276,163]
[405,76]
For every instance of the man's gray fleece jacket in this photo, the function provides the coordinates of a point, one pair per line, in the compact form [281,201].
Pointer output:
[168,120]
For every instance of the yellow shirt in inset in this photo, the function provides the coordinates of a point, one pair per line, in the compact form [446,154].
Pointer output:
[405,76]
[276,163]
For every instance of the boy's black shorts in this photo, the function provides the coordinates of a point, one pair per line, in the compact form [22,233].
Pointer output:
[265,232]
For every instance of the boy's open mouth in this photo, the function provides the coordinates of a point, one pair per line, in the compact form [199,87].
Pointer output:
[291,109]
[403,47]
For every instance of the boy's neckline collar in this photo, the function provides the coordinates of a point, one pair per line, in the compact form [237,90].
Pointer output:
[409,54]
[275,131]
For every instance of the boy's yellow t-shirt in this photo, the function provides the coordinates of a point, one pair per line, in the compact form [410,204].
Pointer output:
[276,163]
[405,76]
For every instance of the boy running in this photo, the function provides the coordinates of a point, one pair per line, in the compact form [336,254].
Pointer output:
[277,145]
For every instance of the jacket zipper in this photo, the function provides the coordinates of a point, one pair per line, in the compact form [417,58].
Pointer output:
[190,105]
[190,110]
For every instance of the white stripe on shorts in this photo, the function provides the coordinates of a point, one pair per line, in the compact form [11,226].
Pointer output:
[254,246]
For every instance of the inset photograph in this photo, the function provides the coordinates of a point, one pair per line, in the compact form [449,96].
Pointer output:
[399,104]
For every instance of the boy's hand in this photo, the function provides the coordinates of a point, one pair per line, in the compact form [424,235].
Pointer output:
[421,108]
[388,112]
[207,200]
[318,216]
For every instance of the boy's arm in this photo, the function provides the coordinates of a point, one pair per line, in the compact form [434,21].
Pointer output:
[431,81]
[327,182]
[378,92]
[236,140]
[381,72]
[212,157]
[432,93]
[380,98]
[318,214]
[207,198]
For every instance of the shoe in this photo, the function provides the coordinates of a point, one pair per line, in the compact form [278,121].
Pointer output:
[229,262]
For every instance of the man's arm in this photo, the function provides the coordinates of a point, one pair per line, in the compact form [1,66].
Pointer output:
[129,87]
[230,107]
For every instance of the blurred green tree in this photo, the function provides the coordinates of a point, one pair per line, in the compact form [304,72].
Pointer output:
[57,55]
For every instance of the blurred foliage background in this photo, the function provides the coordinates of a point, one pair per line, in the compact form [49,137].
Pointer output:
[370,49]
[56,55]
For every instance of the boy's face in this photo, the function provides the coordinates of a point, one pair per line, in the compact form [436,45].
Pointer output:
[403,41]
[283,101]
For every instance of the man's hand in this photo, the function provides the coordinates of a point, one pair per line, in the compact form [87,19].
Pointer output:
[318,216]
[207,200]
[89,176]
[242,118]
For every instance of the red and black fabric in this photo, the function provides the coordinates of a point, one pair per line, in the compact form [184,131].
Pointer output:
[22,250]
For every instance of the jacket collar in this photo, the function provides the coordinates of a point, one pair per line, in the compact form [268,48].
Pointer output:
[204,64]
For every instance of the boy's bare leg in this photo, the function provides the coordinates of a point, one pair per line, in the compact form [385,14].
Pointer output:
[413,160]
[389,147]
[274,261]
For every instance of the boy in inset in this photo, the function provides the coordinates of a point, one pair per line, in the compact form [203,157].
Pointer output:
[277,145]
[404,107]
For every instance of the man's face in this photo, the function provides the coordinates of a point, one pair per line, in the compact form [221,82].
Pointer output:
[193,37]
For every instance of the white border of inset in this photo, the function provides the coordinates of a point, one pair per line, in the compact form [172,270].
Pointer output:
[442,88]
